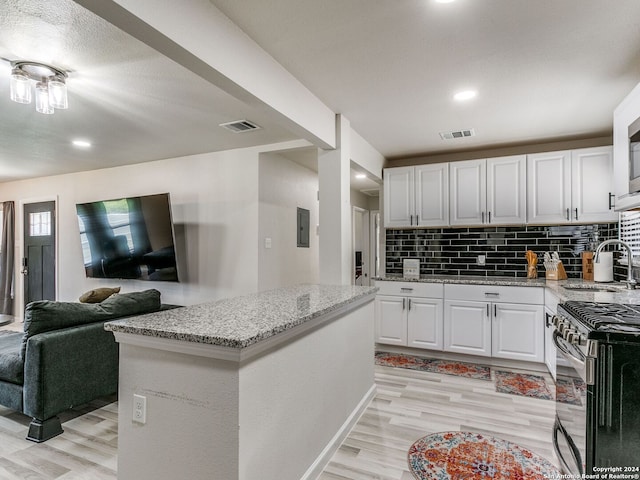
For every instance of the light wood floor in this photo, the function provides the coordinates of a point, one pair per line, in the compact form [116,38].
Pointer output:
[408,405]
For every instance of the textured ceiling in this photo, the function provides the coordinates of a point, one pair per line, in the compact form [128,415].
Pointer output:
[545,70]
[132,103]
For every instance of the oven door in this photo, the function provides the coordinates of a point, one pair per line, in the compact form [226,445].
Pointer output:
[569,438]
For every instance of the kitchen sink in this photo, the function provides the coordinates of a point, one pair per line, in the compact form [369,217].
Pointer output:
[592,288]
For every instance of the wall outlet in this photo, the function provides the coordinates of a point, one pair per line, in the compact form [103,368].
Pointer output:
[139,409]
[481,260]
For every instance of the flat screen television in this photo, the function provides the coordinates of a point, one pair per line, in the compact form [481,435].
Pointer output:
[128,238]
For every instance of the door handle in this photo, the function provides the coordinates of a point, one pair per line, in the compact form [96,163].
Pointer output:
[25,268]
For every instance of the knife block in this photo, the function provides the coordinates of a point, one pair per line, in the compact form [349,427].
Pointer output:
[557,274]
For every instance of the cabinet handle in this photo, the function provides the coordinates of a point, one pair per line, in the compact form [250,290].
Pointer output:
[612,197]
[411,220]
[482,217]
[417,222]
[568,216]
[488,313]
[491,294]
[489,218]
[404,303]
[406,289]
[409,303]
[495,310]
[576,214]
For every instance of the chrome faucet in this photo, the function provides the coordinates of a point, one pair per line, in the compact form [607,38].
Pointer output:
[631,282]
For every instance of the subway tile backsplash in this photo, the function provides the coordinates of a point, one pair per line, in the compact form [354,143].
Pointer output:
[455,251]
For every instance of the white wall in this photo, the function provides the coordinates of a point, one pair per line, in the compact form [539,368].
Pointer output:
[283,187]
[214,200]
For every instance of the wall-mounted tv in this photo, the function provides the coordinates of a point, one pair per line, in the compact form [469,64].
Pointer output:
[128,238]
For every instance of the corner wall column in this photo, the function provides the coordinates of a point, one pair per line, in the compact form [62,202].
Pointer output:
[335,208]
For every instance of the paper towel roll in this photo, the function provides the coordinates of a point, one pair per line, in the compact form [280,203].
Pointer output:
[603,269]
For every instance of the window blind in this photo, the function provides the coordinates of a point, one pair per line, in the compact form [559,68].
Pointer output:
[630,231]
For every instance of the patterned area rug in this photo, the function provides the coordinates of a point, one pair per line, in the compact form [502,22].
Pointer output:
[471,456]
[461,369]
[522,384]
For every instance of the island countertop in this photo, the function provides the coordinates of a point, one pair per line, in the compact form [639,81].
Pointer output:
[240,322]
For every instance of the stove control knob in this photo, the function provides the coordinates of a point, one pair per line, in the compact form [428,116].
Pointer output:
[556,320]
[572,337]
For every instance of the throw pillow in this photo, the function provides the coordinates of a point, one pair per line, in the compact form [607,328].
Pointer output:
[98,294]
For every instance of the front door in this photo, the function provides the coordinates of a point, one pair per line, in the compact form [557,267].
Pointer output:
[39,261]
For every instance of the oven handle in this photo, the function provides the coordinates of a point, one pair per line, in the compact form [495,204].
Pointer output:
[557,427]
[578,362]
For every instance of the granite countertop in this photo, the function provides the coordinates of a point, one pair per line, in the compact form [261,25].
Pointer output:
[243,321]
[582,291]
[470,280]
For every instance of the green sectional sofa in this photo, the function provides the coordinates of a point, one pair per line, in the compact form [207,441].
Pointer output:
[64,358]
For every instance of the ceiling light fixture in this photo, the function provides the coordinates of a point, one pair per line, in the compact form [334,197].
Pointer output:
[465,95]
[361,176]
[81,143]
[51,88]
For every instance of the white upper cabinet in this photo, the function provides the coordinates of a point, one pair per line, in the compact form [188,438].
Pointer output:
[432,195]
[507,190]
[468,191]
[592,196]
[571,186]
[549,187]
[416,196]
[488,192]
[399,200]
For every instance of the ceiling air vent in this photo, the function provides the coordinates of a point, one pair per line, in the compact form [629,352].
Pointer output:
[240,126]
[457,134]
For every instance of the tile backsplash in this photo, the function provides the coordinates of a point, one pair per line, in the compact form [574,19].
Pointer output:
[455,251]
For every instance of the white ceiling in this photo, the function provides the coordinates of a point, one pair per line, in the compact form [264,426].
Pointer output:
[544,70]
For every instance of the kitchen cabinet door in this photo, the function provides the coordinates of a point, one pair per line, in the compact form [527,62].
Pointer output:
[399,197]
[507,190]
[592,185]
[517,332]
[467,327]
[468,192]
[432,195]
[549,188]
[424,323]
[391,320]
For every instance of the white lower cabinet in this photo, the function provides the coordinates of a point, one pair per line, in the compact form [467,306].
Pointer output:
[495,321]
[406,317]
[518,332]
[467,327]
[424,323]
[483,320]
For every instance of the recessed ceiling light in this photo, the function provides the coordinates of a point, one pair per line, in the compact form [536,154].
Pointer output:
[81,143]
[361,175]
[465,95]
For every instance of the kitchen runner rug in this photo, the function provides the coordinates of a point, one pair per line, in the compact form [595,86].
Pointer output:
[522,384]
[471,456]
[461,369]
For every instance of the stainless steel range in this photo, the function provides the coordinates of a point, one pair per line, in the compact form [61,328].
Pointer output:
[597,387]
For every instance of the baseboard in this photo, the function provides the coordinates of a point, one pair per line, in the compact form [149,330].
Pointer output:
[323,459]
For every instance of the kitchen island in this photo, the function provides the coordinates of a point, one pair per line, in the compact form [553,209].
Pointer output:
[260,386]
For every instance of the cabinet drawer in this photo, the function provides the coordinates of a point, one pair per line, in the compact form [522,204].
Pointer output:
[410,289]
[494,293]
